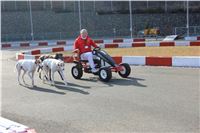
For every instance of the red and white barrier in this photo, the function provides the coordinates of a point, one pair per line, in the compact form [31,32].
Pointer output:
[8,126]
[64,42]
[179,61]
[33,44]
[193,61]
[47,50]
[116,43]
[119,40]
[175,61]
[150,44]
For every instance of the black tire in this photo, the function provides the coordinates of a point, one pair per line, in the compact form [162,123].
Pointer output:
[77,72]
[127,70]
[105,74]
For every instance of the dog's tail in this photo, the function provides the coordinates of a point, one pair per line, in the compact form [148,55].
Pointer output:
[16,67]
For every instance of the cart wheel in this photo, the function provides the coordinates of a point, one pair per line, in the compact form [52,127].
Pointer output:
[77,72]
[105,74]
[127,70]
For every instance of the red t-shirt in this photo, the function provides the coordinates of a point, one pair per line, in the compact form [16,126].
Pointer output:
[84,45]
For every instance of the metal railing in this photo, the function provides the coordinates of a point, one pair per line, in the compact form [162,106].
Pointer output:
[193,30]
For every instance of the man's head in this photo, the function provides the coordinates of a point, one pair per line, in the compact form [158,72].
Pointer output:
[83,33]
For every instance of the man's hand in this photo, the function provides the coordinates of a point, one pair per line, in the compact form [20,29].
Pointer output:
[76,51]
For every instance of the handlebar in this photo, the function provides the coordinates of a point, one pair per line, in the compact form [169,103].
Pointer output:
[94,51]
[97,49]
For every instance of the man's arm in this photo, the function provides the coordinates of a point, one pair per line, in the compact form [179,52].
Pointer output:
[76,49]
[94,44]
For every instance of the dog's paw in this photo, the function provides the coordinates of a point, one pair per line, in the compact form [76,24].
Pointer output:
[52,84]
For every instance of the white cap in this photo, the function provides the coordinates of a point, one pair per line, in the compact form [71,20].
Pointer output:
[83,31]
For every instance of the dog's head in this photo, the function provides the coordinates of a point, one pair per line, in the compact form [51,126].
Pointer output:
[61,66]
[38,62]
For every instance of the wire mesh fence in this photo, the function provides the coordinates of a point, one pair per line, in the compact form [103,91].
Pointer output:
[114,33]
[193,30]
[50,20]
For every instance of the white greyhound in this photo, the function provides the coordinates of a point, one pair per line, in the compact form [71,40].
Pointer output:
[50,66]
[27,66]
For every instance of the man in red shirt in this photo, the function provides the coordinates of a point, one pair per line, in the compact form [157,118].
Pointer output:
[83,45]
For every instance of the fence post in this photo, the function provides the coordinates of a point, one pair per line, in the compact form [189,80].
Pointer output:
[175,30]
[195,30]
[60,35]
[114,31]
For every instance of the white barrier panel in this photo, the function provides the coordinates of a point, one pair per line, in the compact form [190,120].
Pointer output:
[70,42]
[7,126]
[128,40]
[125,45]
[107,41]
[153,44]
[15,44]
[182,43]
[68,48]
[33,44]
[136,60]
[102,45]
[190,38]
[187,61]
[31,57]
[45,50]
[27,52]
[52,43]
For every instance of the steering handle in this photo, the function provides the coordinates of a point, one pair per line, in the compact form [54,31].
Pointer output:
[97,49]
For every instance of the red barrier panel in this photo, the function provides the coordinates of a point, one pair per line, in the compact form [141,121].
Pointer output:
[98,41]
[37,56]
[139,40]
[58,49]
[117,59]
[197,43]
[5,45]
[117,40]
[24,44]
[167,43]
[43,43]
[61,42]
[111,45]
[35,52]
[68,59]
[135,44]
[159,61]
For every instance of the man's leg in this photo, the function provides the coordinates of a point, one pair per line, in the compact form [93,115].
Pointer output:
[89,57]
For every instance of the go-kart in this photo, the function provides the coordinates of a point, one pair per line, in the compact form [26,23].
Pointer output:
[103,63]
